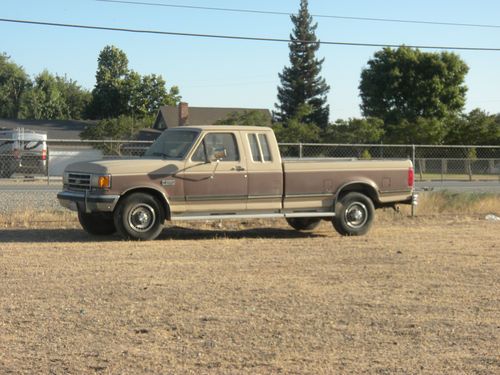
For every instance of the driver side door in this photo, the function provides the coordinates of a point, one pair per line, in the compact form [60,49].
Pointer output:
[215,175]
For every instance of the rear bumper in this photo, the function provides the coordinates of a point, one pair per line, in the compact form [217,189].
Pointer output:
[87,202]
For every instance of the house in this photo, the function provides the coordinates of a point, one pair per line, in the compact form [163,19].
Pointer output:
[183,115]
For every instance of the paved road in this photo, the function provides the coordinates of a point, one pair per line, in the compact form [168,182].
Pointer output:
[460,186]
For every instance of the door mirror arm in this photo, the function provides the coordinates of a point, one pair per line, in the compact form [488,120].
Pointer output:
[215,169]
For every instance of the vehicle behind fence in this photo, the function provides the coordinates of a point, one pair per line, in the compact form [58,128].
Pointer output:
[431,162]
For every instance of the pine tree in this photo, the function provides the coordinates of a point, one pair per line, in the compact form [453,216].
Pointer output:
[301,83]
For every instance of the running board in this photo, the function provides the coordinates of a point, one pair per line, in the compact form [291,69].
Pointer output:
[225,216]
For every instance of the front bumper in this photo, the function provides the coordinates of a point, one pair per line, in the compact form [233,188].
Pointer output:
[85,201]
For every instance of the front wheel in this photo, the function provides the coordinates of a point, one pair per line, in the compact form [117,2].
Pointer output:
[303,223]
[98,224]
[354,214]
[139,216]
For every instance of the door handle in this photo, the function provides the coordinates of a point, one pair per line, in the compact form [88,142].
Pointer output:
[238,168]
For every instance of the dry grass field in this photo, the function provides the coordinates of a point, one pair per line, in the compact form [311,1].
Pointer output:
[414,296]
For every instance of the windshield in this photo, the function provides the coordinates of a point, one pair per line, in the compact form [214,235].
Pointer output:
[173,144]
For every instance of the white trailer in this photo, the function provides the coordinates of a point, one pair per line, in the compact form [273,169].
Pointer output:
[23,152]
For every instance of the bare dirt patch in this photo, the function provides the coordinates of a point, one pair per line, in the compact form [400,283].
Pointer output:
[413,296]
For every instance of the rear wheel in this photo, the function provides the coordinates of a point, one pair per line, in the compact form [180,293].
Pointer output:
[303,223]
[98,224]
[139,216]
[354,214]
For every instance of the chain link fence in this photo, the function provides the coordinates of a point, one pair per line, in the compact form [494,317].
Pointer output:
[430,162]
[46,159]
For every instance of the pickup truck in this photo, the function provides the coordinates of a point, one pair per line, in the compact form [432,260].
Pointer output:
[229,172]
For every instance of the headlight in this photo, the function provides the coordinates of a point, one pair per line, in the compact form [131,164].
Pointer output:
[65,178]
[101,181]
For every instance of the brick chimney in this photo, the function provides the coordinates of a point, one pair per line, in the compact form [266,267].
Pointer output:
[183,113]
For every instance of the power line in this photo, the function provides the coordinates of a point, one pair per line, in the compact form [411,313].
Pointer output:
[236,37]
[256,11]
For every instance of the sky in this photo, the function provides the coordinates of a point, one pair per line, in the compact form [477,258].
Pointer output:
[236,73]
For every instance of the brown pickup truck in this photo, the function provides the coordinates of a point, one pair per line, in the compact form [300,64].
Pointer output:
[230,172]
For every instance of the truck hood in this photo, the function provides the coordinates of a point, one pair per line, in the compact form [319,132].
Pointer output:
[127,166]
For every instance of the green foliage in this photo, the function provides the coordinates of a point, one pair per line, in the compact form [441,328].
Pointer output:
[121,91]
[54,98]
[13,83]
[108,97]
[424,131]
[366,155]
[148,93]
[475,128]
[296,130]
[301,83]
[403,86]
[77,98]
[122,127]
[250,117]
[369,130]
[44,100]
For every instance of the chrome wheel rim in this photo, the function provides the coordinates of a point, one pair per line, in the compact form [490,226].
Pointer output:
[356,215]
[142,217]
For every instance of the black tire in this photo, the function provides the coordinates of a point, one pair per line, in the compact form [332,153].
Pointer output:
[97,224]
[354,214]
[303,223]
[139,216]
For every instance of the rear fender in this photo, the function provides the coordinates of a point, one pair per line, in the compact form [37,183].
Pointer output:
[366,187]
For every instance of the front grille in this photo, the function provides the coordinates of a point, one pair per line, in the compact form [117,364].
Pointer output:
[78,181]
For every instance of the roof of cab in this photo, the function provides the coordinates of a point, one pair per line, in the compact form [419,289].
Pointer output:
[223,128]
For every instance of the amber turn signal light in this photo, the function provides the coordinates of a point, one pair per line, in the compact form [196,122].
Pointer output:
[104,182]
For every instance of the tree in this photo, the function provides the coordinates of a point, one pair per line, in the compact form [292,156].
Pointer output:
[121,91]
[424,131]
[296,129]
[51,97]
[148,93]
[301,83]
[250,117]
[108,97]
[407,85]
[13,83]
[475,128]
[44,100]
[77,98]
[369,130]
[120,128]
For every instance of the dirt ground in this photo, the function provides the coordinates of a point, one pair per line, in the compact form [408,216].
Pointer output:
[414,296]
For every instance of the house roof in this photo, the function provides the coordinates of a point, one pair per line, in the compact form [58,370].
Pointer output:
[201,115]
[55,129]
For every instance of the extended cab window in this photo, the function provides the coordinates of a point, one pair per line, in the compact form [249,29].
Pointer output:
[254,147]
[259,147]
[217,144]
[264,145]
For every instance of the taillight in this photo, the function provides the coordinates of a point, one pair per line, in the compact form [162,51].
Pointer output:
[411,177]
[44,154]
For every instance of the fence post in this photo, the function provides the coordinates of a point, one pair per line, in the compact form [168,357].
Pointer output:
[300,150]
[414,174]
